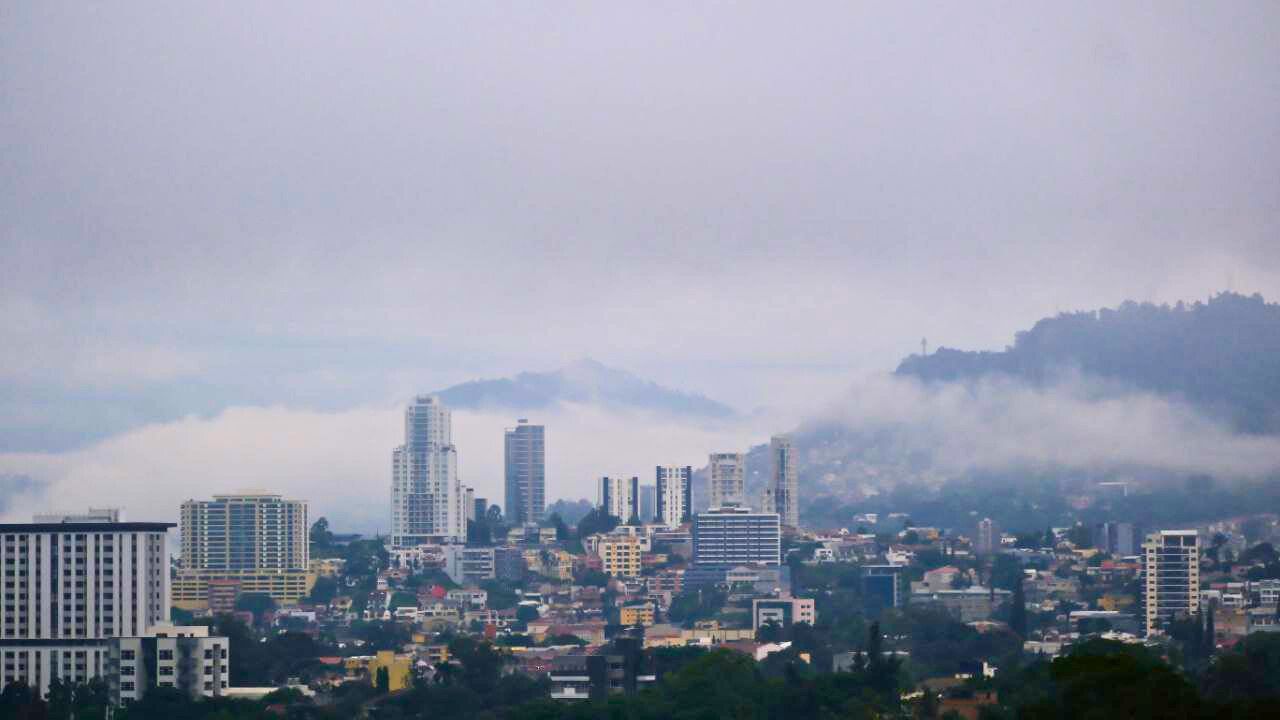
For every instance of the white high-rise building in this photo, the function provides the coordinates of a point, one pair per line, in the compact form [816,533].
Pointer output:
[727,479]
[72,586]
[783,493]
[1171,577]
[620,497]
[426,494]
[675,494]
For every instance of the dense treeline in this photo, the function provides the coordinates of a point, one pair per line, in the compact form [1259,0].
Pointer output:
[1032,500]
[1098,679]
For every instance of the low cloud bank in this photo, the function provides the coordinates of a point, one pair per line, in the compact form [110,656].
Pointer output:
[341,462]
[1001,424]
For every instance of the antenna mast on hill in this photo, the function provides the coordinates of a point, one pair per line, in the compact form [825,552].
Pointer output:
[924,347]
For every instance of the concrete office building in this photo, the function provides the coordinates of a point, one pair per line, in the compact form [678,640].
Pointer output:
[727,478]
[1171,577]
[259,540]
[783,493]
[426,495]
[526,473]
[72,586]
[675,495]
[173,656]
[620,497]
[736,536]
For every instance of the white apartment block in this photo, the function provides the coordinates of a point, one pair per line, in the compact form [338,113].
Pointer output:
[176,656]
[426,495]
[675,495]
[69,587]
[620,496]
[727,479]
[1171,576]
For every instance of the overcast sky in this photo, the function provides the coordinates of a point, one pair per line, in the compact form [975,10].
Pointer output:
[322,207]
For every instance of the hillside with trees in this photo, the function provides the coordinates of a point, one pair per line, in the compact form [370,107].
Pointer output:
[1222,355]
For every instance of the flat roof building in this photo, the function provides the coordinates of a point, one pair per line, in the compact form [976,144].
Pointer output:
[72,583]
[736,536]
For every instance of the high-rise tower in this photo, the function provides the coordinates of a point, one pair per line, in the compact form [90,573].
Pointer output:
[784,487]
[426,495]
[620,497]
[1171,578]
[675,494]
[526,473]
[727,479]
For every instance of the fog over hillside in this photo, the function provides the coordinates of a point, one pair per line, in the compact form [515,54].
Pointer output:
[885,430]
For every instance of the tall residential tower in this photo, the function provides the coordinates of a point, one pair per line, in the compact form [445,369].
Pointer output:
[675,495]
[251,541]
[526,473]
[426,495]
[1171,577]
[620,497]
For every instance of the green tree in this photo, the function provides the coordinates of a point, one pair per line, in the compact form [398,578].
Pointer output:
[1018,611]
[383,680]
[320,534]
[256,603]
[595,522]
[324,591]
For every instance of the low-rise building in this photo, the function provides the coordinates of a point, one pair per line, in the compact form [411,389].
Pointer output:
[783,612]
[620,556]
[967,605]
[638,614]
[173,656]
[365,667]
[619,669]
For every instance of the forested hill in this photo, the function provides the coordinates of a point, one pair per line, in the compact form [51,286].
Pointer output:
[1222,355]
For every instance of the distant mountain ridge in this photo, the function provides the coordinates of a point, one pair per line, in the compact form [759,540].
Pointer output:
[1222,355]
[586,381]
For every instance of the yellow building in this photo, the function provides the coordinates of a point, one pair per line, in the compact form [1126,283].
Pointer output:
[286,587]
[620,556]
[327,567]
[632,615]
[1115,602]
[365,667]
